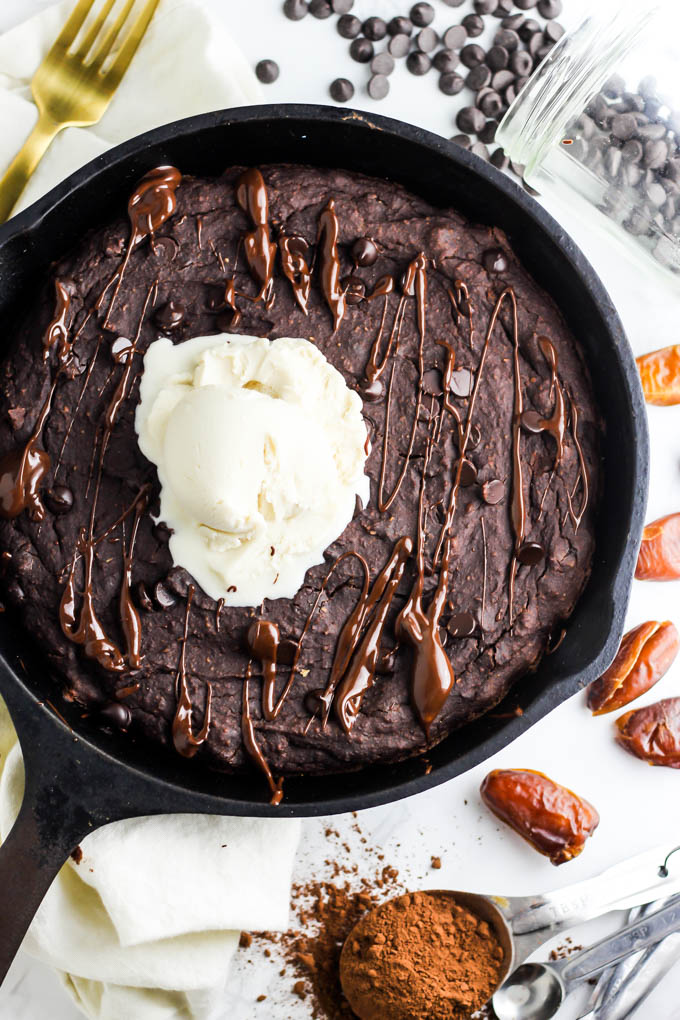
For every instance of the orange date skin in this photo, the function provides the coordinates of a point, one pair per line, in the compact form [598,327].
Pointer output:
[659,556]
[646,654]
[660,376]
[652,733]
[555,821]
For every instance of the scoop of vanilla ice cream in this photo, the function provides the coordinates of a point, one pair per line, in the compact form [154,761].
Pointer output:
[260,448]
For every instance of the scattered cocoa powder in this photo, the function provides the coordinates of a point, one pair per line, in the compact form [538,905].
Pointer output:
[77,854]
[436,863]
[420,955]
[245,940]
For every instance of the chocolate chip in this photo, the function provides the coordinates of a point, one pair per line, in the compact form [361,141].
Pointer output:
[170,315]
[504,9]
[485,6]
[361,50]
[267,71]
[375,29]
[455,37]
[508,39]
[451,83]
[529,29]
[295,10]
[163,597]
[510,94]
[399,45]
[478,77]
[499,159]
[454,3]
[475,438]
[341,90]
[514,22]
[470,120]
[143,598]
[59,499]
[624,126]
[468,473]
[521,63]
[480,149]
[378,86]
[116,714]
[121,349]
[473,25]
[532,421]
[525,5]
[461,625]
[549,8]
[462,382]
[494,260]
[364,251]
[348,26]
[314,701]
[373,391]
[400,26]
[501,80]
[655,155]
[472,54]
[418,63]
[445,60]
[498,58]
[355,290]
[553,32]
[490,104]
[463,140]
[320,8]
[493,491]
[488,132]
[342,6]
[382,63]
[426,40]
[422,14]
[531,554]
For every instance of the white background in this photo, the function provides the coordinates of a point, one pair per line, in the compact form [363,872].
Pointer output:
[638,804]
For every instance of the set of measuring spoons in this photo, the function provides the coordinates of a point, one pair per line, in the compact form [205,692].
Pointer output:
[647,885]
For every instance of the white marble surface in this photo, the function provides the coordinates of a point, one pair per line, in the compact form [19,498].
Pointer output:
[638,804]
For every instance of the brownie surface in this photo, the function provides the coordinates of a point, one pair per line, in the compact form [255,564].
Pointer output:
[194,252]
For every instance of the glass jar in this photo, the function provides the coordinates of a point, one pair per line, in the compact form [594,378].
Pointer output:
[598,125]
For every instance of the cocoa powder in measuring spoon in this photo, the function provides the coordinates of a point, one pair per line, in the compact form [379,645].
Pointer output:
[420,955]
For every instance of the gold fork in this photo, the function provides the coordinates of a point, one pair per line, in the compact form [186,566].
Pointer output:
[72,88]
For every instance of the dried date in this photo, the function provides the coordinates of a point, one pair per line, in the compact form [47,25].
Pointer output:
[645,655]
[653,733]
[555,821]
[660,375]
[659,556]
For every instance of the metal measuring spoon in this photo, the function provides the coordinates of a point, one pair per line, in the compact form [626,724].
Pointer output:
[523,923]
[535,991]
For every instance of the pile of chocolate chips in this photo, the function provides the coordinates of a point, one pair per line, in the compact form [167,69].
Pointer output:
[630,139]
[494,76]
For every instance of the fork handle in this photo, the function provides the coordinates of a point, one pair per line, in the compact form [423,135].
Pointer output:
[24,163]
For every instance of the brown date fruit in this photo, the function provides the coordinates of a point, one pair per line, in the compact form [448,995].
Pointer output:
[555,821]
[653,733]
[645,655]
[660,375]
[659,556]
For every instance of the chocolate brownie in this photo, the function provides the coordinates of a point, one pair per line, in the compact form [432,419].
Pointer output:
[478,537]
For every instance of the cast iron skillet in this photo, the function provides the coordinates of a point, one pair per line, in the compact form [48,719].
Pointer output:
[79,778]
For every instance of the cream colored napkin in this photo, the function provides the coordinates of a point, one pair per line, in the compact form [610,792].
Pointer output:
[186,64]
[144,927]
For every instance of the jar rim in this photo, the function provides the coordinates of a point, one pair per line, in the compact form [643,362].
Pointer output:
[565,82]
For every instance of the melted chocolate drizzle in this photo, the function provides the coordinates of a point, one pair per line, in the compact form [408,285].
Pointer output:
[252,746]
[329,263]
[23,471]
[185,740]
[260,251]
[152,203]
[295,268]
[58,332]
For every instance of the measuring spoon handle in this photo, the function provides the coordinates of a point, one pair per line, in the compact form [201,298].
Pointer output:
[649,876]
[640,982]
[632,939]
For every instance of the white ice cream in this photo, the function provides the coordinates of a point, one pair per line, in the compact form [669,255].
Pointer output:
[260,448]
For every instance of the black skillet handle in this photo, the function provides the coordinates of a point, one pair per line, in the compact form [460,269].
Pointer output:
[61,806]
[28,865]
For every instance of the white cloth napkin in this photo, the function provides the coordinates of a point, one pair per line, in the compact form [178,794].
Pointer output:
[130,939]
[186,64]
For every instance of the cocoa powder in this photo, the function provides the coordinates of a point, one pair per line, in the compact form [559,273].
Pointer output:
[420,955]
